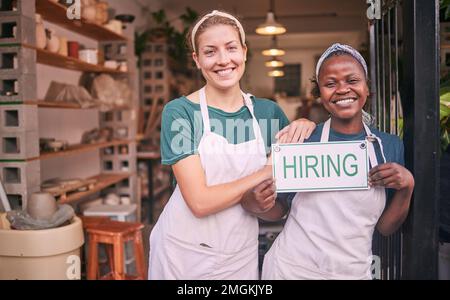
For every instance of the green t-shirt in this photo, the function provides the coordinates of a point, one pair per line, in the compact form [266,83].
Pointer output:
[182,126]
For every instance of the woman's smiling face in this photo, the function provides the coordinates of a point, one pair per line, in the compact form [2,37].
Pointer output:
[343,87]
[221,56]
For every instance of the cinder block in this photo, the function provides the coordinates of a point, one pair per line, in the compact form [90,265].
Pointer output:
[18,118]
[20,178]
[17,88]
[19,200]
[118,163]
[128,188]
[122,151]
[115,50]
[17,29]
[19,145]
[17,60]
[17,7]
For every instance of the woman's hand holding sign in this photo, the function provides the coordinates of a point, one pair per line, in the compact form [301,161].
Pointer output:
[391,175]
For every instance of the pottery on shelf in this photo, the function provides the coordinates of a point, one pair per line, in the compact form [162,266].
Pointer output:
[41,37]
[101,12]
[52,41]
[41,206]
[88,10]
[63,48]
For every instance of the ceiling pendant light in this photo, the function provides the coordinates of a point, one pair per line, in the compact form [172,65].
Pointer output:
[274,50]
[276,73]
[274,63]
[270,26]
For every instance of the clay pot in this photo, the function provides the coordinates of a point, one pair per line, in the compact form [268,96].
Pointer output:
[41,206]
[52,41]
[102,12]
[89,13]
[63,49]
[41,38]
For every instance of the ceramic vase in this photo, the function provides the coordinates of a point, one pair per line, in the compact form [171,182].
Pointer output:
[41,38]
[52,41]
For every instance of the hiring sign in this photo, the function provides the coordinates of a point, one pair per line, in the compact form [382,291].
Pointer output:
[330,166]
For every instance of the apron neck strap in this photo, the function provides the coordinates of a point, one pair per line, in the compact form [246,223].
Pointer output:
[371,138]
[205,113]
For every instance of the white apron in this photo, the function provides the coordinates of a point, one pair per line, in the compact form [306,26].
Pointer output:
[328,235]
[220,246]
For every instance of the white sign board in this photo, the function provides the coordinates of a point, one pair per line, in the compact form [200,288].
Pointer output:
[331,166]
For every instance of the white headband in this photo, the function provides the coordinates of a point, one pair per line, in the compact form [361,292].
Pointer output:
[217,13]
[344,48]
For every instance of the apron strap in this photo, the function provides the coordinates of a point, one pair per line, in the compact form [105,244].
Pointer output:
[325,132]
[371,138]
[248,103]
[204,110]
[256,129]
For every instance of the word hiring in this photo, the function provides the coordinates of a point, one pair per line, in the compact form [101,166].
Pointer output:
[320,166]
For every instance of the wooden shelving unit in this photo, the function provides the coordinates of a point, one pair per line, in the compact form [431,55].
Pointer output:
[27,160]
[103,181]
[56,13]
[57,60]
[80,148]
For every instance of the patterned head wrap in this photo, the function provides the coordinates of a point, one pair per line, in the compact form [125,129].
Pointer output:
[344,48]
[221,14]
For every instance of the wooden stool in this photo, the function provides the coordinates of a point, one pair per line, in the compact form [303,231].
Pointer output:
[115,234]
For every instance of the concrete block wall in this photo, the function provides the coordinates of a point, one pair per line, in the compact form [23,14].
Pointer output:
[18,118]
[115,50]
[17,88]
[17,8]
[19,137]
[123,122]
[119,159]
[20,179]
[17,60]
[15,28]
[19,145]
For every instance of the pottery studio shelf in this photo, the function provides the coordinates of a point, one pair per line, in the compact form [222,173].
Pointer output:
[80,148]
[57,14]
[102,181]
[67,105]
[66,62]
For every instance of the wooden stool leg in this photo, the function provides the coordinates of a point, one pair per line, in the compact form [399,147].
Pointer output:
[110,256]
[118,272]
[139,255]
[93,258]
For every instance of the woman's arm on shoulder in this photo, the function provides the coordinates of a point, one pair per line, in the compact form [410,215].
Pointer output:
[205,200]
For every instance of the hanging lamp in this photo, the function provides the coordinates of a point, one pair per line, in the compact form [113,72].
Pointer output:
[270,26]
[274,63]
[274,50]
[276,73]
